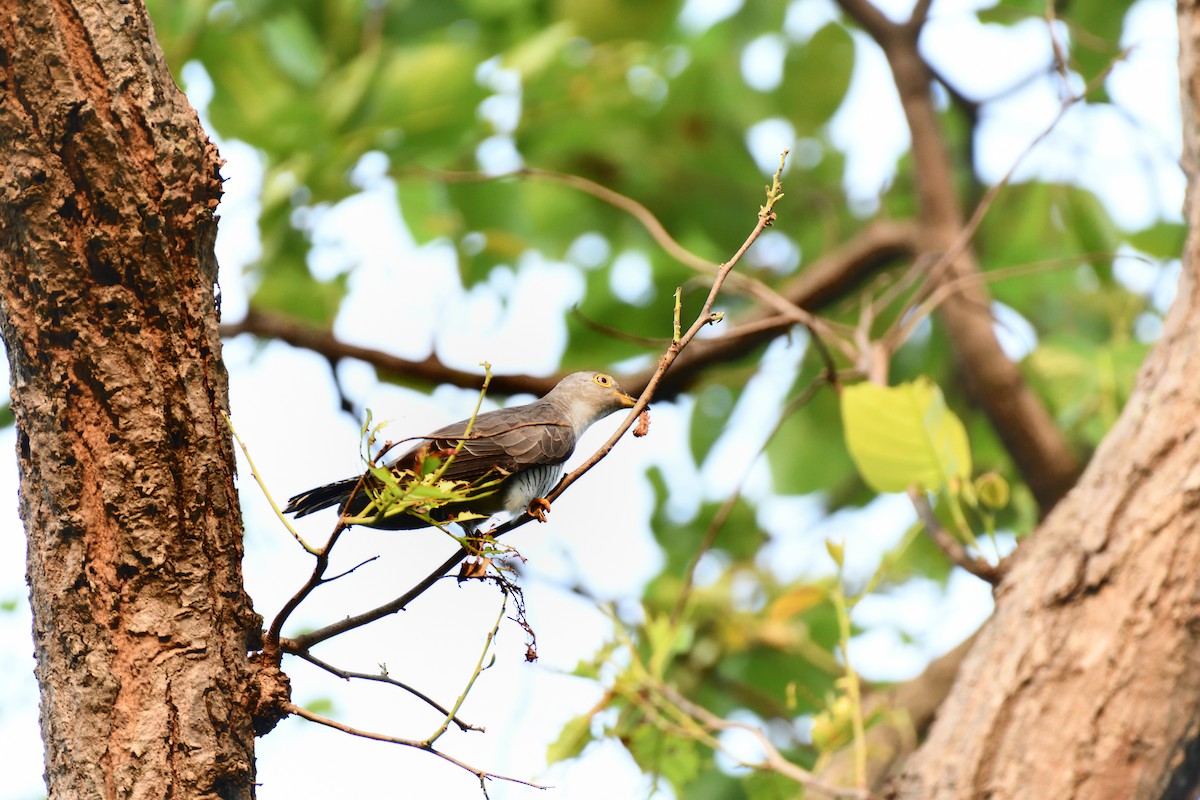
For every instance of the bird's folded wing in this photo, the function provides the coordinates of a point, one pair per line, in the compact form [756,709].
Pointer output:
[507,440]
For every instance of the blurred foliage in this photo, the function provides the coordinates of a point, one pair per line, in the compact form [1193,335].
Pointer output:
[622,93]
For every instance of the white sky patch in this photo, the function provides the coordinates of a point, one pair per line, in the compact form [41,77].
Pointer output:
[767,139]
[501,111]
[762,62]
[589,250]
[698,16]
[937,619]
[776,251]
[983,61]
[869,125]
[498,155]
[1016,336]
[632,279]
[806,17]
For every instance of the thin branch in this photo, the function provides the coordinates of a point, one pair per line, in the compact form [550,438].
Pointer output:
[346,674]
[271,642]
[299,644]
[355,568]
[263,486]
[643,215]
[482,775]
[949,545]
[479,668]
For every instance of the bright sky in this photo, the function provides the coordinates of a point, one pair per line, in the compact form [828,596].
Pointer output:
[285,408]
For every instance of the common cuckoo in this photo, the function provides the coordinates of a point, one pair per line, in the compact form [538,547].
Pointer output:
[520,450]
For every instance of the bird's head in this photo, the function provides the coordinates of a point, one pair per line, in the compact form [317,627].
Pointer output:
[588,397]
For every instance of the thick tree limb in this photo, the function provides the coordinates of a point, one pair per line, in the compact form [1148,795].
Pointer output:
[828,280]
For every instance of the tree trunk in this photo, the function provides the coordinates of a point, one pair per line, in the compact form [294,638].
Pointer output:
[107,308]
[1086,681]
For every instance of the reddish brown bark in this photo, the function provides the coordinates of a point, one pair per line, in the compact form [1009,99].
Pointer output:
[1086,682]
[107,192]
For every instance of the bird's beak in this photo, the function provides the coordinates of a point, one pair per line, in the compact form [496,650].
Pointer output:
[625,400]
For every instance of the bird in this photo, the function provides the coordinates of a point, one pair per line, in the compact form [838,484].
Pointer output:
[512,457]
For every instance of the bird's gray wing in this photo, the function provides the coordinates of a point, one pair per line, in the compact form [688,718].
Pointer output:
[508,439]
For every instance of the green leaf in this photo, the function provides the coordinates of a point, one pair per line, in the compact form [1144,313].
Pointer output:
[1162,240]
[900,436]
[320,705]
[294,47]
[575,735]
[678,760]
[816,76]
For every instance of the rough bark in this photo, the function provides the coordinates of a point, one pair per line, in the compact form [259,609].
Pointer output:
[1086,682]
[107,308]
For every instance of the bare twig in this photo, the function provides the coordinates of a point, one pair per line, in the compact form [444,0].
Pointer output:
[271,641]
[263,486]
[948,544]
[346,674]
[479,667]
[482,775]
[937,287]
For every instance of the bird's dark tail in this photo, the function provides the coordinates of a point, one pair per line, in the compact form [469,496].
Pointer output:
[330,494]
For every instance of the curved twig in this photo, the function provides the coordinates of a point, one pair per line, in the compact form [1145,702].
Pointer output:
[482,775]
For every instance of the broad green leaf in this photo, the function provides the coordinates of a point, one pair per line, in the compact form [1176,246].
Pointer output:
[1162,240]
[901,436]
[816,76]
[294,47]
[678,760]
[575,735]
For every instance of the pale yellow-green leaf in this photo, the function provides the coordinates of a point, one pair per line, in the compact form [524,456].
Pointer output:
[836,551]
[901,436]
[992,490]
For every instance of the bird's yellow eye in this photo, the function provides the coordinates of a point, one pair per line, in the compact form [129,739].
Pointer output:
[603,380]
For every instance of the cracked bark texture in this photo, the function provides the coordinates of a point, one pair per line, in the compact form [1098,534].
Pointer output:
[109,318]
[1086,682]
